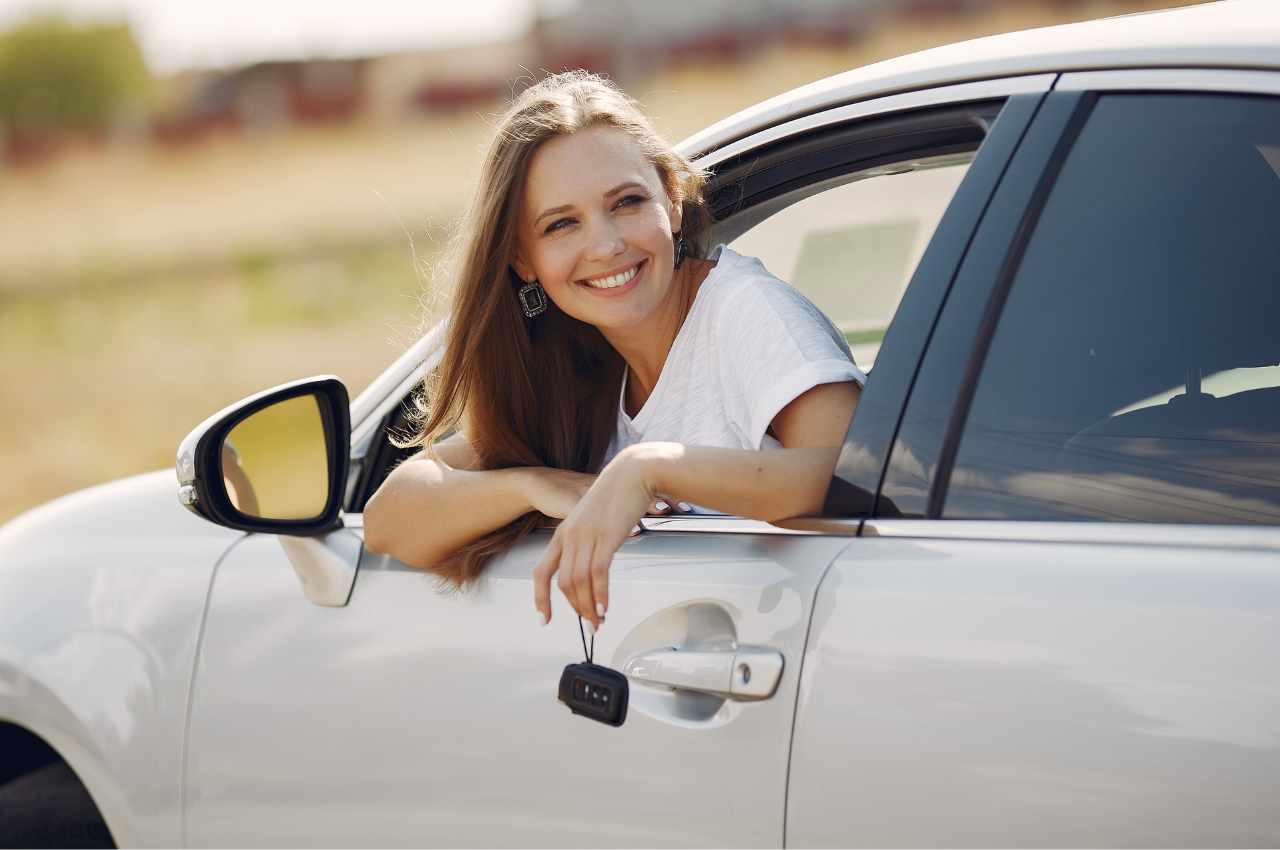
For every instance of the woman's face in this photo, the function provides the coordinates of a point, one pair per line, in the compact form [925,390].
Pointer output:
[595,229]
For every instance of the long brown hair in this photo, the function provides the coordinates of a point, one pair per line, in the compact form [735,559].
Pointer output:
[542,391]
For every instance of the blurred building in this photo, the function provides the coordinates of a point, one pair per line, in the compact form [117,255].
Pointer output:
[263,96]
[447,78]
[274,95]
[630,38]
[625,39]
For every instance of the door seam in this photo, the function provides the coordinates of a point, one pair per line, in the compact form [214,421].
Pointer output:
[795,706]
[191,689]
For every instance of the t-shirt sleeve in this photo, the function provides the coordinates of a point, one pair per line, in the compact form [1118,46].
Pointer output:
[772,345]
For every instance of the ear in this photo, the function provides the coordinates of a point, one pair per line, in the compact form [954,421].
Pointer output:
[677,212]
[522,267]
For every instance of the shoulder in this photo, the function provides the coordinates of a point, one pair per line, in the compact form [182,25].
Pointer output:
[743,297]
[735,275]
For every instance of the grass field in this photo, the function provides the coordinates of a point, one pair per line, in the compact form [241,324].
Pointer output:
[142,290]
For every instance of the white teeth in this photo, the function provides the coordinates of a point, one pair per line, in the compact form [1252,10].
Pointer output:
[613,281]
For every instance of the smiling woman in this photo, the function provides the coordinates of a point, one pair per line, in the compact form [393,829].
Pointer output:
[599,361]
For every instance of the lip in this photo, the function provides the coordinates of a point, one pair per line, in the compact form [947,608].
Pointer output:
[640,267]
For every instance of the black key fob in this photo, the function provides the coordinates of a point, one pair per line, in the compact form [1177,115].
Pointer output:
[595,692]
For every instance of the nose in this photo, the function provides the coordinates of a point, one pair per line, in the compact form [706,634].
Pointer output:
[604,241]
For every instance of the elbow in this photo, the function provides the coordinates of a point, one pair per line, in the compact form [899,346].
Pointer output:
[387,532]
[381,537]
[807,493]
[376,537]
[383,524]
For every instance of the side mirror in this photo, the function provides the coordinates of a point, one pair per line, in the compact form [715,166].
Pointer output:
[275,462]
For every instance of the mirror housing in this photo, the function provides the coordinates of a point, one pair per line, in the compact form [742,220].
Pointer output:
[203,488]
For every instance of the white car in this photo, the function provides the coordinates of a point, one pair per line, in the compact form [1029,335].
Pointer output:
[1041,607]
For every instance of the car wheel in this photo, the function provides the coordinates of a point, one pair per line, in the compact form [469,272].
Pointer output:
[50,808]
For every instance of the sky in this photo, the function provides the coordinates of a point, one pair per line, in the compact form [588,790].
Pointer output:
[182,34]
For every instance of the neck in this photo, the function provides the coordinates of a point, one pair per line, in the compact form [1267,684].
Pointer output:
[645,346]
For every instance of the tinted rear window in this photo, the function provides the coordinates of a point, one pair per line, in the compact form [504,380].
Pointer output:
[1133,374]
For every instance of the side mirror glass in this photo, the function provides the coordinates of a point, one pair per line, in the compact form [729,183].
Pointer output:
[275,462]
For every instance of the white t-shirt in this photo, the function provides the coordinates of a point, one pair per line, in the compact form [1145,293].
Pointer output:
[750,345]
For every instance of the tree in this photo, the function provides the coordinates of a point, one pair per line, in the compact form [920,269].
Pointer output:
[58,76]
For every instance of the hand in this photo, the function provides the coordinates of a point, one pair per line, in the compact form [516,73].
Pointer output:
[554,492]
[582,548]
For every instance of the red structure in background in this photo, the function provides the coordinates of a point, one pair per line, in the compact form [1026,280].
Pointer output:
[30,148]
[187,129]
[27,149]
[263,96]
[451,95]
[330,92]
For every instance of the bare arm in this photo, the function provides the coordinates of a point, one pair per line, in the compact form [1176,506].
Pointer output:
[771,484]
[768,485]
[427,509]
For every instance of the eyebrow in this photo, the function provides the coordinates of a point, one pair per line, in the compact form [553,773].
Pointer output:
[630,184]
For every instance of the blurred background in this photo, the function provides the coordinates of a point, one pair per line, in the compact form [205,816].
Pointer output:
[200,200]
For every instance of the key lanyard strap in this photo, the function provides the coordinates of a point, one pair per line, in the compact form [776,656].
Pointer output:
[590,653]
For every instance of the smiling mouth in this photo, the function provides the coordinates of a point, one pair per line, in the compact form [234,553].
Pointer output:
[614,281]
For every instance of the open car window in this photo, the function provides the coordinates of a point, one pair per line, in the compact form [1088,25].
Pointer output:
[852,245]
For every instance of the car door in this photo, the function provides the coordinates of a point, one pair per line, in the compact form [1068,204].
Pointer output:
[1061,627]
[412,717]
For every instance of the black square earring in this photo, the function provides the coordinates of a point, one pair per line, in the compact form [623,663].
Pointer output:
[533,299]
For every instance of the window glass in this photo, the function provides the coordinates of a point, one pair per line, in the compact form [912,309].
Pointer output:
[851,248]
[1134,371]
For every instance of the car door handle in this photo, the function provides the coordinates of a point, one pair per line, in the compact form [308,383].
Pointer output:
[745,673]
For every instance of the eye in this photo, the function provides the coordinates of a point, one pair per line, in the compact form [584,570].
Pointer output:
[630,200]
[558,224]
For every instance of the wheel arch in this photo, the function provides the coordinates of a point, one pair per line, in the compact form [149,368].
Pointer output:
[27,751]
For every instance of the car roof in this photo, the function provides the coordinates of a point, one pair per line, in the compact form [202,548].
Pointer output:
[1224,34]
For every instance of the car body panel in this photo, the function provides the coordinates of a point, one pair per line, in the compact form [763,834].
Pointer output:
[1073,690]
[103,592]
[1009,683]
[369,724]
[919,99]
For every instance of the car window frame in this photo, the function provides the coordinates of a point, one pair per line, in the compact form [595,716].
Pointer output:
[989,271]
[857,479]
[760,167]
[1002,107]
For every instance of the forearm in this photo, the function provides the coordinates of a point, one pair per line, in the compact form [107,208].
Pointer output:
[769,485]
[425,510]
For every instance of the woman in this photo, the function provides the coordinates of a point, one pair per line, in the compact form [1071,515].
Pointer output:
[596,363]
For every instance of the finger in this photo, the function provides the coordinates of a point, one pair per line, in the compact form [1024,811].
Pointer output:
[601,560]
[570,585]
[565,579]
[660,507]
[542,573]
[584,598]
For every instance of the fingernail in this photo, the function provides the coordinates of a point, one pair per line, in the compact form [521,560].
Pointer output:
[600,610]
[542,618]
[591,627]
[661,505]
[684,506]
